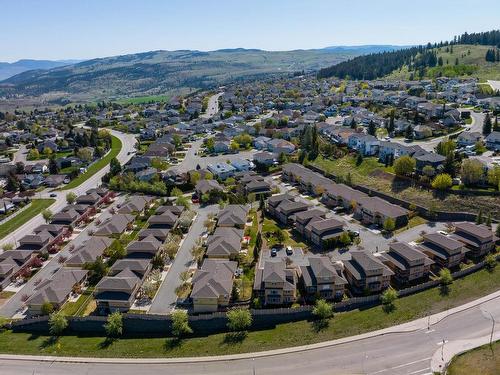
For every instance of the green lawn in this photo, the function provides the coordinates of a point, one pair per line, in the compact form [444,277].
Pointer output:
[144,99]
[36,206]
[484,360]
[116,146]
[413,222]
[283,335]
[78,307]
[269,226]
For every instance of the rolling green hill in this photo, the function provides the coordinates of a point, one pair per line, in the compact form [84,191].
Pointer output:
[165,72]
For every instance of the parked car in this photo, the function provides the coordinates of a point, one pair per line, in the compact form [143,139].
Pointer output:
[274,252]
[289,250]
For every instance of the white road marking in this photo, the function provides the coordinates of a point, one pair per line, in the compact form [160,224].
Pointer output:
[429,330]
[419,371]
[399,366]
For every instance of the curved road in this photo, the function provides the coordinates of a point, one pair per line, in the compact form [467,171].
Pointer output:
[128,142]
[405,349]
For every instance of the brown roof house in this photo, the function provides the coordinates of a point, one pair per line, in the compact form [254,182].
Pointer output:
[276,284]
[304,217]
[408,263]
[366,273]
[136,204]
[224,243]
[143,249]
[11,263]
[212,285]
[443,250]
[233,215]
[479,239]
[117,293]
[321,231]
[375,210]
[340,195]
[89,251]
[55,290]
[115,225]
[321,279]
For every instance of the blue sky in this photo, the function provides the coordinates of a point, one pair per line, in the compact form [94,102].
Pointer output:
[80,29]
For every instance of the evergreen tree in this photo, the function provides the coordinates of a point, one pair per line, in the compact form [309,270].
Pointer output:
[487,125]
[53,167]
[479,219]
[496,127]
[390,128]
[371,128]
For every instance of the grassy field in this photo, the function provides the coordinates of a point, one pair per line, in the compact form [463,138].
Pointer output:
[36,206]
[283,335]
[375,175]
[116,146]
[144,99]
[484,360]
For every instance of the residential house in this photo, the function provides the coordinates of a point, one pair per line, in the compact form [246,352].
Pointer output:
[468,138]
[233,215]
[276,284]
[206,186]
[242,165]
[222,170]
[260,143]
[115,225]
[224,243]
[213,285]
[479,239]
[492,141]
[136,204]
[321,231]
[117,292]
[89,251]
[304,217]
[430,159]
[408,263]
[145,248]
[375,210]
[321,279]
[55,290]
[368,145]
[340,195]
[366,273]
[278,146]
[443,250]
[264,158]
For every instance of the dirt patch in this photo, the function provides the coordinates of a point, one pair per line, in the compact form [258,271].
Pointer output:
[378,173]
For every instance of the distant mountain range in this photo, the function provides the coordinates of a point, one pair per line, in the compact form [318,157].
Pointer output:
[166,72]
[365,49]
[11,69]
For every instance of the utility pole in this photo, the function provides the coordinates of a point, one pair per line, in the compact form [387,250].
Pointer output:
[492,328]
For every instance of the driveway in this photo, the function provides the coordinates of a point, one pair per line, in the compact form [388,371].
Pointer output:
[166,298]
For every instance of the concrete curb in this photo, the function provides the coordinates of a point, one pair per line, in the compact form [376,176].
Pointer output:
[419,324]
[441,359]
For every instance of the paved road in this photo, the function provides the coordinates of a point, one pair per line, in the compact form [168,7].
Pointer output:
[15,304]
[128,142]
[405,349]
[165,298]
[495,85]
[431,144]
[213,106]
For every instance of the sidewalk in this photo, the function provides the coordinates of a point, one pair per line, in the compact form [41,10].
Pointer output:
[419,324]
[443,356]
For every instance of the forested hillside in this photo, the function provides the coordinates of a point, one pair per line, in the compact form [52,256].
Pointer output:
[419,61]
